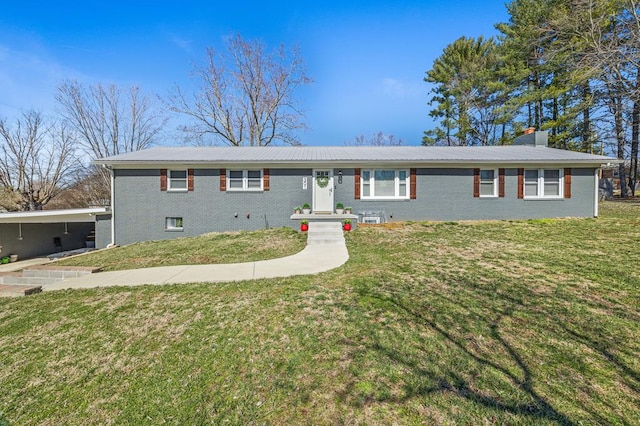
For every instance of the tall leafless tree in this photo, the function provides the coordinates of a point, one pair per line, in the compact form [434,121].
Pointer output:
[36,161]
[109,121]
[377,139]
[245,96]
[86,188]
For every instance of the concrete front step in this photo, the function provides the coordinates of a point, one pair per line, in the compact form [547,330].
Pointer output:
[21,284]
[13,290]
[328,232]
[29,280]
[8,275]
[57,273]
[325,233]
[54,274]
[325,241]
[325,225]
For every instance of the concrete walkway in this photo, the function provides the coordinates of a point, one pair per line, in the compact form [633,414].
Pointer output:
[315,258]
[21,264]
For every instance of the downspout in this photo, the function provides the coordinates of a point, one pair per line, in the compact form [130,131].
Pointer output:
[113,211]
[596,197]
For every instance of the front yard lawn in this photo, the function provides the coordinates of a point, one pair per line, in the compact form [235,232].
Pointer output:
[225,247]
[523,322]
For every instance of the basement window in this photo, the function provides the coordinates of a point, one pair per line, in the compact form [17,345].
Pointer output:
[174,224]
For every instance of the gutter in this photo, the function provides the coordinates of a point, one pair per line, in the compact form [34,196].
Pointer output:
[149,164]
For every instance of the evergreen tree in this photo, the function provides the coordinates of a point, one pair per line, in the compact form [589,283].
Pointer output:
[465,93]
[571,67]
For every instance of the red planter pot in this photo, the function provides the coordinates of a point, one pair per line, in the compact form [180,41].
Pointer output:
[346,227]
[304,227]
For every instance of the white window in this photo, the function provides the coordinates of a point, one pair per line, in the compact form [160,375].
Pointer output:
[174,224]
[543,183]
[385,183]
[177,180]
[530,183]
[488,183]
[551,181]
[244,180]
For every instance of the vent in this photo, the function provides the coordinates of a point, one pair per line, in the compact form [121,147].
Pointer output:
[372,217]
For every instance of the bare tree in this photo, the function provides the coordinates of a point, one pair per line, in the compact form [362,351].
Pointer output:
[109,121]
[36,161]
[245,96]
[377,139]
[87,188]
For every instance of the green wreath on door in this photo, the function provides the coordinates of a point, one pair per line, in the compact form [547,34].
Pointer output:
[322,181]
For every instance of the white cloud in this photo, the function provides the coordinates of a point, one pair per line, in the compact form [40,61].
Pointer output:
[393,87]
[399,89]
[181,43]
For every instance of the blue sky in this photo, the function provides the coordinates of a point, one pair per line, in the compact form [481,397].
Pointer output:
[367,58]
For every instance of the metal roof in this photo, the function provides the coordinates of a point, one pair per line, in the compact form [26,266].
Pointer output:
[308,155]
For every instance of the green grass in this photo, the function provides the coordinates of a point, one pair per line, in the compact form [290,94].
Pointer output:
[227,247]
[524,322]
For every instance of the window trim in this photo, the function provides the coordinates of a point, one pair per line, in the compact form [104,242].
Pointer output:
[499,183]
[396,179]
[540,184]
[170,180]
[245,180]
[170,221]
[495,183]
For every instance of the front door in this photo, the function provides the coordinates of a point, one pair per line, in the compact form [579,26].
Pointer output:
[323,191]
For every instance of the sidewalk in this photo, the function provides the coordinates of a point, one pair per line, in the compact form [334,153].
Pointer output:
[312,260]
[21,264]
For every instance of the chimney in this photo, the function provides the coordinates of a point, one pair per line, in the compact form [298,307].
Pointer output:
[533,138]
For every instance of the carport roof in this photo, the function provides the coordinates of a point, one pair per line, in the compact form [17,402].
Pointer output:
[53,216]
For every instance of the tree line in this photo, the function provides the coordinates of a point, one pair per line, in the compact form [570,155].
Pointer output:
[571,67]
[244,96]
[43,158]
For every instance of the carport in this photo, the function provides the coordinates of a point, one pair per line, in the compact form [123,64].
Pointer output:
[40,233]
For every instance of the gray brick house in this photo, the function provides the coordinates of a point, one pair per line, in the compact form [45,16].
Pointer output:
[164,193]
